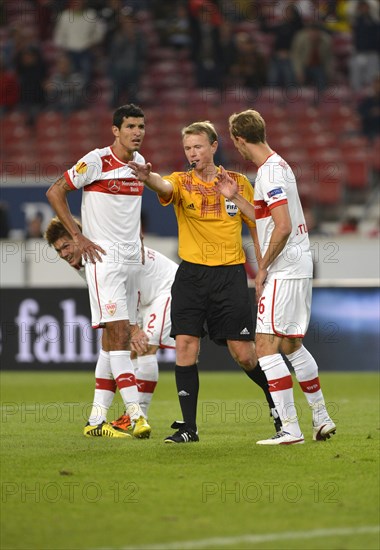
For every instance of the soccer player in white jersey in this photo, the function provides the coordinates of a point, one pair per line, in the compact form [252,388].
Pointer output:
[283,280]
[154,291]
[155,282]
[110,245]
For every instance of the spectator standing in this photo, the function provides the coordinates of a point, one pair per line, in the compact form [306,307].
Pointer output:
[9,89]
[15,41]
[177,28]
[110,14]
[364,63]
[45,13]
[65,88]
[31,71]
[312,57]
[77,31]
[369,111]
[281,71]
[126,57]
[308,9]
[335,16]
[374,9]
[248,65]
[207,50]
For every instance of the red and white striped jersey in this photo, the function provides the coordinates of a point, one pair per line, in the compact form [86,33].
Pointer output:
[111,203]
[275,185]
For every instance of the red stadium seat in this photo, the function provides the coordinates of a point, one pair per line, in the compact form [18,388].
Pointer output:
[250,25]
[330,178]
[297,157]
[82,123]
[13,119]
[354,145]
[320,181]
[77,147]
[51,125]
[163,54]
[336,95]
[309,128]
[285,145]
[174,95]
[319,145]
[55,165]
[21,163]
[270,95]
[374,154]
[358,172]
[306,182]
[298,99]
[330,155]
[13,135]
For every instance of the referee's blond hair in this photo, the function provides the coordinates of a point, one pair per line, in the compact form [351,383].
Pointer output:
[205,127]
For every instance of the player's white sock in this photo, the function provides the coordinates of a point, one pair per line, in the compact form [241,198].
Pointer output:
[135,365]
[104,390]
[281,388]
[306,371]
[146,380]
[123,373]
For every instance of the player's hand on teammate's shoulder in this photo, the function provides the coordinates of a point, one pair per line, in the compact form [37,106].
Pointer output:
[90,251]
[225,184]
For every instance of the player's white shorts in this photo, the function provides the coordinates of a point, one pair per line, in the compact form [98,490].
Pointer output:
[155,321]
[113,291]
[284,307]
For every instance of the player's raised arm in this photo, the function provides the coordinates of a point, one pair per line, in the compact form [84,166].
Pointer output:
[229,188]
[57,196]
[154,181]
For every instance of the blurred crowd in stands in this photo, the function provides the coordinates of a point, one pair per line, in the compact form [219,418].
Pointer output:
[53,51]
[71,56]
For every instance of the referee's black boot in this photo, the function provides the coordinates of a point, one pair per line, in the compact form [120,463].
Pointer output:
[183,435]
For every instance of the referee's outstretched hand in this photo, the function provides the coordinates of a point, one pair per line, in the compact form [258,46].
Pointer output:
[140,171]
[225,184]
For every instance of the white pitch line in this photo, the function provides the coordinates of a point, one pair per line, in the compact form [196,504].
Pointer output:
[254,539]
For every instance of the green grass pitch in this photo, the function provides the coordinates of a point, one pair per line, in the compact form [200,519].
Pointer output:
[60,490]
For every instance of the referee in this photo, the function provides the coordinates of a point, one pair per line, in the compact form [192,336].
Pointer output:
[210,289]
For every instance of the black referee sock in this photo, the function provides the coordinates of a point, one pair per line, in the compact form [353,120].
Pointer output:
[187,381]
[259,378]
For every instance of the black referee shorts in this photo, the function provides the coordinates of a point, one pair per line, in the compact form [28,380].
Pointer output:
[211,299]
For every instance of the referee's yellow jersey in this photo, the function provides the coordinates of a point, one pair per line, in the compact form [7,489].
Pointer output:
[209,225]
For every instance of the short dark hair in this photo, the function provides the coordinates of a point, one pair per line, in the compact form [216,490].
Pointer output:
[126,111]
[56,230]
